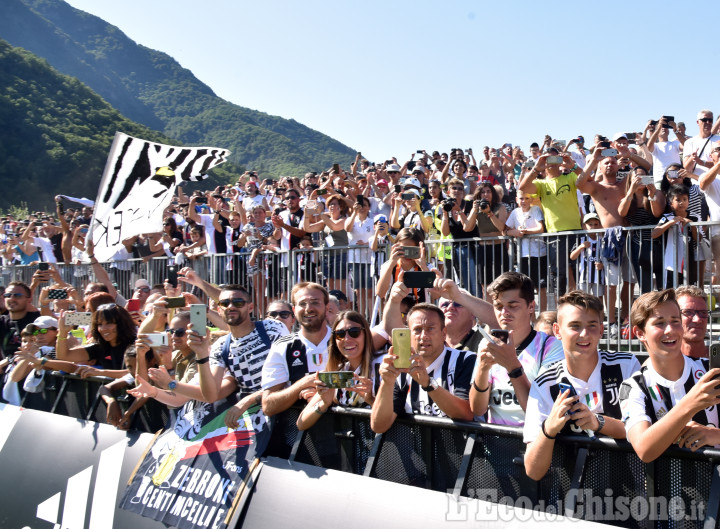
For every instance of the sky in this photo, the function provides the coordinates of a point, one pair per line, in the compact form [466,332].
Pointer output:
[390,77]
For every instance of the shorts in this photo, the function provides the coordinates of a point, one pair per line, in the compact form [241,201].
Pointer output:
[596,289]
[614,272]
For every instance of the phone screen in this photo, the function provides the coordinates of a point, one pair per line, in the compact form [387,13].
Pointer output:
[401,348]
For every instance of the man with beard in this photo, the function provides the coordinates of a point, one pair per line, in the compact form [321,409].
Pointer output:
[289,371]
[17,299]
[242,352]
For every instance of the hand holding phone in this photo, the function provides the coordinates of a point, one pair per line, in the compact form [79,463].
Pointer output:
[401,348]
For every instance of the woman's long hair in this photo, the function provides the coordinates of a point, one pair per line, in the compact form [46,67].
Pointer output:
[645,200]
[112,313]
[336,360]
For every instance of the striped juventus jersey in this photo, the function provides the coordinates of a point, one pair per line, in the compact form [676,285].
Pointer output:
[647,396]
[452,370]
[600,393]
[247,355]
[537,351]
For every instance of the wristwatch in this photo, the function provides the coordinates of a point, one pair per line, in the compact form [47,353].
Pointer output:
[318,409]
[601,422]
[432,386]
[515,373]
[172,385]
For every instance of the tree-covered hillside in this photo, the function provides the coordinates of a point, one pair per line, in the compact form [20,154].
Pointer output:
[151,88]
[56,132]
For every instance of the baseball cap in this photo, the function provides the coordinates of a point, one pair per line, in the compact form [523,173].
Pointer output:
[412,182]
[382,182]
[142,283]
[418,169]
[379,218]
[589,216]
[339,294]
[393,168]
[619,135]
[45,322]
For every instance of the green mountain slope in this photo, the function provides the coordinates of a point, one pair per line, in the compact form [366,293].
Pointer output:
[56,132]
[151,88]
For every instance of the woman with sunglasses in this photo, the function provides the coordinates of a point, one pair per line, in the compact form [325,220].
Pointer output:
[281,311]
[350,349]
[112,330]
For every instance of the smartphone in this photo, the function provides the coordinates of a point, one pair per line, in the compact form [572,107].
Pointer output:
[78,318]
[672,174]
[172,276]
[397,188]
[176,303]
[57,293]
[201,200]
[610,152]
[631,136]
[414,279]
[408,196]
[647,180]
[311,204]
[604,145]
[336,168]
[157,338]
[133,305]
[43,266]
[360,200]
[401,348]
[714,355]
[668,118]
[198,318]
[500,334]
[411,252]
[554,160]
[564,387]
[419,152]
[472,178]
[321,192]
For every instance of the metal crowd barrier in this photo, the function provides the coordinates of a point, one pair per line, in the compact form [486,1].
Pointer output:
[472,262]
[591,479]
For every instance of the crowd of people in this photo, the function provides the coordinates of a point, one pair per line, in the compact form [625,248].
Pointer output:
[430,354]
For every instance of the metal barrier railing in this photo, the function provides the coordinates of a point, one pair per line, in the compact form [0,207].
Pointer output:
[472,262]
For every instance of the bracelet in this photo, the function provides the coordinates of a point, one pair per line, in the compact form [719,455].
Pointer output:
[61,338]
[91,256]
[478,389]
[202,360]
[542,427]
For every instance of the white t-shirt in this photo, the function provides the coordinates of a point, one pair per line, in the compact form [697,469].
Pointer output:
[275,369]
[712,195]
[362,230]
[249,202]
[531,219]
[664,153]
[695,144]
[207,222]
[47,249]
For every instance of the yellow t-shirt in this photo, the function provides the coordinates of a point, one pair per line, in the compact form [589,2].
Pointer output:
[558,199]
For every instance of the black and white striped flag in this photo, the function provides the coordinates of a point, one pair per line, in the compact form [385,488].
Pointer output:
[138,183]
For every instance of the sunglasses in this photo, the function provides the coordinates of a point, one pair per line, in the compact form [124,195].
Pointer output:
[458,188]
[177,332]
[13,295]
[689,313]
[235,302]
[705,120]
[354,332]
[284,314]
[292,198]
[143,289]
[447,304]
[43,331]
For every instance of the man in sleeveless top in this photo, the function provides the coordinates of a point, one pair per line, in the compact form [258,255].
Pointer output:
[289,370]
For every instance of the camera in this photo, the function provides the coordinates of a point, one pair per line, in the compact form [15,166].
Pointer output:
[484,204]
[448,204]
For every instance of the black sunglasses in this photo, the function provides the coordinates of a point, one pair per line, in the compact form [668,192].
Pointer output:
[284,314]
[354,332]
[706,120]
[235,302]
[178,332]
[14,295]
